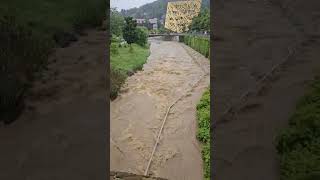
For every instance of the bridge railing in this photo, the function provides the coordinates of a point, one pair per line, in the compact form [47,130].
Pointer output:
[181,34]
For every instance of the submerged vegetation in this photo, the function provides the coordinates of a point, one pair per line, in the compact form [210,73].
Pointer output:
[299,144]
[203,133]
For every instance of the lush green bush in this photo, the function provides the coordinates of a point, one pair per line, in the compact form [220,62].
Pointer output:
[200,44]
[116,22]
[299,144]
[89,14]
[203,133]
[117,78]
[134,34]
[142,36]
[129,31]
[202,21]
[114,49]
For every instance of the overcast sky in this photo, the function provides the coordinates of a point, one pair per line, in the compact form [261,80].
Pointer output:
[127,4]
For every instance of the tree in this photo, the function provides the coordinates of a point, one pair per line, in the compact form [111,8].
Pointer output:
[129,30]
[201,22]
[116,22]
[142,36]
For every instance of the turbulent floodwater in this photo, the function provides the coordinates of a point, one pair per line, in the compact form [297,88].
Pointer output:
[136,115]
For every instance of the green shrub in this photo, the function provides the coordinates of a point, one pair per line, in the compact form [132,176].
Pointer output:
[129,31]
[142,36]
[114,49]
[299,144]
[181,38]
[206,159]
[117,78]
[131,49]
[200,44]
[90,14]
[203,133]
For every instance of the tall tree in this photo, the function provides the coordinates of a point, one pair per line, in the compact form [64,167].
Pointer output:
[129,30]
[201,22]
[116,22]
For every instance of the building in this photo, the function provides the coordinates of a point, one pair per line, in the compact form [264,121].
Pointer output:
[140,21]
[154,23]
[162,19]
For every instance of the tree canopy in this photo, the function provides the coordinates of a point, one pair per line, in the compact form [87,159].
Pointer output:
[201,22]
[116,22]
[129,30]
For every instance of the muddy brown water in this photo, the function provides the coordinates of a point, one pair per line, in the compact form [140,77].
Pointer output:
[57,135]
[254,37]
[136,115]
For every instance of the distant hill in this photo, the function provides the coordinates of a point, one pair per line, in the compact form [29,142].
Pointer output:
[156,9]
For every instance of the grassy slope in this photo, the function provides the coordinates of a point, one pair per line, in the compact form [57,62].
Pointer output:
[124,63]
[299,144]
[129,61]
[203,134]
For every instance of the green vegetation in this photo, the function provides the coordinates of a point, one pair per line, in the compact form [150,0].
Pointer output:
[142,36]
[299,144]
[203,134]
[124,62]
[134,34]
[155,9]
[129,61]
[49,17]
[129,30]
[201,22]
[129,50]
[28,32]
[200,44]
[116,22]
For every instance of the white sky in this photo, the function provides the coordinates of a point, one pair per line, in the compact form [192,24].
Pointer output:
[127,4]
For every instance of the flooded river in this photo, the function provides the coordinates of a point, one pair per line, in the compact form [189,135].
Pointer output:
[171,71]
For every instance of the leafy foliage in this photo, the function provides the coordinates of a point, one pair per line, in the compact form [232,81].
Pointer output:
[114,49]
[203,133]
[134,34]
[299,144]
[116,22]
[200,44]
[202,22]
[142,36]
[117,78]
[129,30]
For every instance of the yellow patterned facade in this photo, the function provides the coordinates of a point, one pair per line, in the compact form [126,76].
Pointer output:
[180,14]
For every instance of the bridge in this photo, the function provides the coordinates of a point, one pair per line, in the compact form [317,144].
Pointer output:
[179,34]
[171,34]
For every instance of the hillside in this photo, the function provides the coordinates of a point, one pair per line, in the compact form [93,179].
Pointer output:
[155,9]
